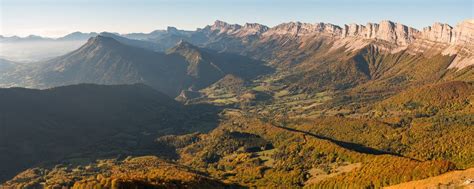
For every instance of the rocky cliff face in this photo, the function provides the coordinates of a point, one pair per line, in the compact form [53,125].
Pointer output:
[388,36]
[462,44]
[222,27]
[462,34]
[249,29]
[301,29]
[386,30]
[438,32]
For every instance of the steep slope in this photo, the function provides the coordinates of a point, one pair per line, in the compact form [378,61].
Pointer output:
[449,41]
[207,66]
[447,96]
[138,172]
[203,70]
[370,69]
[6,67]
[332,57]
[389,36]
[103,60]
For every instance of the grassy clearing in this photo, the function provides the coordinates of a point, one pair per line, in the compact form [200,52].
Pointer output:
[225,100]
[266,156]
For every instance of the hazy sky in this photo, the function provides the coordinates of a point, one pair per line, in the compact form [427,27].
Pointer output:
[58,17]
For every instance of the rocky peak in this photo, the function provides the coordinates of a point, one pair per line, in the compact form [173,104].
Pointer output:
[292,28]
[254,28]
[396,33]
[103,43]
[329,28]
[187,50]
[250,29]
[220,24]
[223,27]
[353,30]
[101,40]
[171,29]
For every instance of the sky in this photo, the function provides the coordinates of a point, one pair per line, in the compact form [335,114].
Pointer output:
[54,18]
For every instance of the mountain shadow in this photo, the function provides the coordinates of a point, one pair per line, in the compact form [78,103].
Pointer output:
[85,122]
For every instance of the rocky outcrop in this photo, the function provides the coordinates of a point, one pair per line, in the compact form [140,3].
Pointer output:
[462,44]
[449,40]
[462,34]
[300,29]
[386,30]
[222,27]
[251,29]
[172,30]
[438,32]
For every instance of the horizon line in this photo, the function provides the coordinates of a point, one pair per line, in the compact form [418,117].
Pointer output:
[197,28]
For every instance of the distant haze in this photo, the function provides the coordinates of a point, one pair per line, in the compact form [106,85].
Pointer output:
[32,51]
[54,18]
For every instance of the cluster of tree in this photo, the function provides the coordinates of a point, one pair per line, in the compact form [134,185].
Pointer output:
[138,172]
[297,152]
[384,170]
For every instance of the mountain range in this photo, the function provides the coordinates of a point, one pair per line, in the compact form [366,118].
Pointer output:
[105,60]
[72,36]
[430,40]
[242,106]
[371,51]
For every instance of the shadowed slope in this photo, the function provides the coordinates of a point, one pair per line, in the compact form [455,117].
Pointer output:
[89,121]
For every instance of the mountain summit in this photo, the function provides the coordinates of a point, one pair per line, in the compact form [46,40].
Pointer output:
[104,60]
